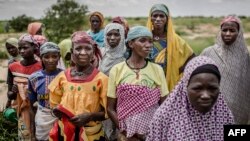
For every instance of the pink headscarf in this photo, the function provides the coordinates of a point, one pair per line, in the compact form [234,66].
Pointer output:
[34,27]
[82,37]
[177,119]
[230,18]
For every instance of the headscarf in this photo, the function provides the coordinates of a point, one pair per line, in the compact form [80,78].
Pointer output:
[178,51]
[65,46]
[235,67]
[49,47]
[138,31]
[111,55]
[82,37]
[177,119]
[101,17]
[13,42]
[28,38]
[40,39]
[34,27]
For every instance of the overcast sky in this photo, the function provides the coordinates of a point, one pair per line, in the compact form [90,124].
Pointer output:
[130,8]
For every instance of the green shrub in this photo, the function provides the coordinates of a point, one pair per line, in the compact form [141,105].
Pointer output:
[20,23]
[8,131]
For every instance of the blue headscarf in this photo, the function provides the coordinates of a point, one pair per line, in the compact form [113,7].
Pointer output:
[138,31]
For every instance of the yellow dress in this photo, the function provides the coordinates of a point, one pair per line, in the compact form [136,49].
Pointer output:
[81,96]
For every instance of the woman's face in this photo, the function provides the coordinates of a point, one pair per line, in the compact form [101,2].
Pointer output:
[95,23]
[26,49]
[12,50]
[83,54]
[113,38]
[229,32]
[141,46]
[158,19]
[50,61]
[203,91]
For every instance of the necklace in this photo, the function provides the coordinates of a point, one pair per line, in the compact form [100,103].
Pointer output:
[156,38]
[136,70]
[83,73]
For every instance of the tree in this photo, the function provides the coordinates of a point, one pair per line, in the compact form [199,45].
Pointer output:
[63,18]
[20,23]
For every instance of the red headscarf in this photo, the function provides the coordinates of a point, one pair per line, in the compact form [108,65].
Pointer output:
[230,18]
[83,37]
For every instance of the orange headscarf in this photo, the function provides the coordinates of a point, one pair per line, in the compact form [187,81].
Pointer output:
[34,27]
[101,17]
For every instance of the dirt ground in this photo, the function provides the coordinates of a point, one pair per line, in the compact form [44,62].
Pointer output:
[3,85]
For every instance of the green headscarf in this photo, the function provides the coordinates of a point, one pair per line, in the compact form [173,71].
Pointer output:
[13,42]
[160,7]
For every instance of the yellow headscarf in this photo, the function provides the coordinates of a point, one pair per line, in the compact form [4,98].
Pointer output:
[178,51]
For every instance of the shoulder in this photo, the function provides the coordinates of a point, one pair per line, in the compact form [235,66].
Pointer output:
[119,66]
[207,50]
[36,75]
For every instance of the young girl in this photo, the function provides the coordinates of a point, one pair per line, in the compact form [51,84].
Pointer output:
[79,95]
[18,81]
[136,87]
[38,90]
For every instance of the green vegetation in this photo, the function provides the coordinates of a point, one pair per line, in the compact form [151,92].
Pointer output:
[199,43]
[8,130]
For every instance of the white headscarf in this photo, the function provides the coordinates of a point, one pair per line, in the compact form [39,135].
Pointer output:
[112,56]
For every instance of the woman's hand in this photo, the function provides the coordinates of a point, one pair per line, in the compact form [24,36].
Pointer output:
[57,113]
[14,89]
[81,120]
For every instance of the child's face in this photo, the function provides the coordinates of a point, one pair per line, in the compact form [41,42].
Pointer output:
[26,49]
[82,53]
[50,61]
[12,50]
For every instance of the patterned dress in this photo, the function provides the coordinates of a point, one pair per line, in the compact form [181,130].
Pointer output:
[78,97]
[138,94]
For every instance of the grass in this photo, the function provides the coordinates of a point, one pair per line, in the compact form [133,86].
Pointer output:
[8,131]
[200,43]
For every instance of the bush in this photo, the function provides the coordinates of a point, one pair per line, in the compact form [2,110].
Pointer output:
[8,131]
[20,23]
[64,18]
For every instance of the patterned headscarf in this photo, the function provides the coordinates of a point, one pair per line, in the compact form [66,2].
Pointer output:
[12,41]
[82,37]
[234,66]
[49,47]
[111,55]
[138,31]
[101,17]
[176,119]
[34,27]
[28,38]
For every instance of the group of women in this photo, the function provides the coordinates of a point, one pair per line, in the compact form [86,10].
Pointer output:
[142,83]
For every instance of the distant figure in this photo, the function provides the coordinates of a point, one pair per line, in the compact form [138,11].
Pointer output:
[114,47]
[35,28]
[123,22]
[65,46]
[12,48]
[231,53]
[170,50]
[96,20]
[195,110]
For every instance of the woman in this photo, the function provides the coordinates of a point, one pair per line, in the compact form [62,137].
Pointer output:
[18,81]
[79,95]
[230,51]
[65,46]
[12,48]
[136,87]
[114,47]
[195,109]
[96,20]
[123,22]
[38,90]
[169,50]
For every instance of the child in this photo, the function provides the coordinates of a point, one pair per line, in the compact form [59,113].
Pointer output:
[18,80]
[38,89]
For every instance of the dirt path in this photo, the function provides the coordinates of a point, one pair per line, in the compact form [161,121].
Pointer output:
[3,85]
